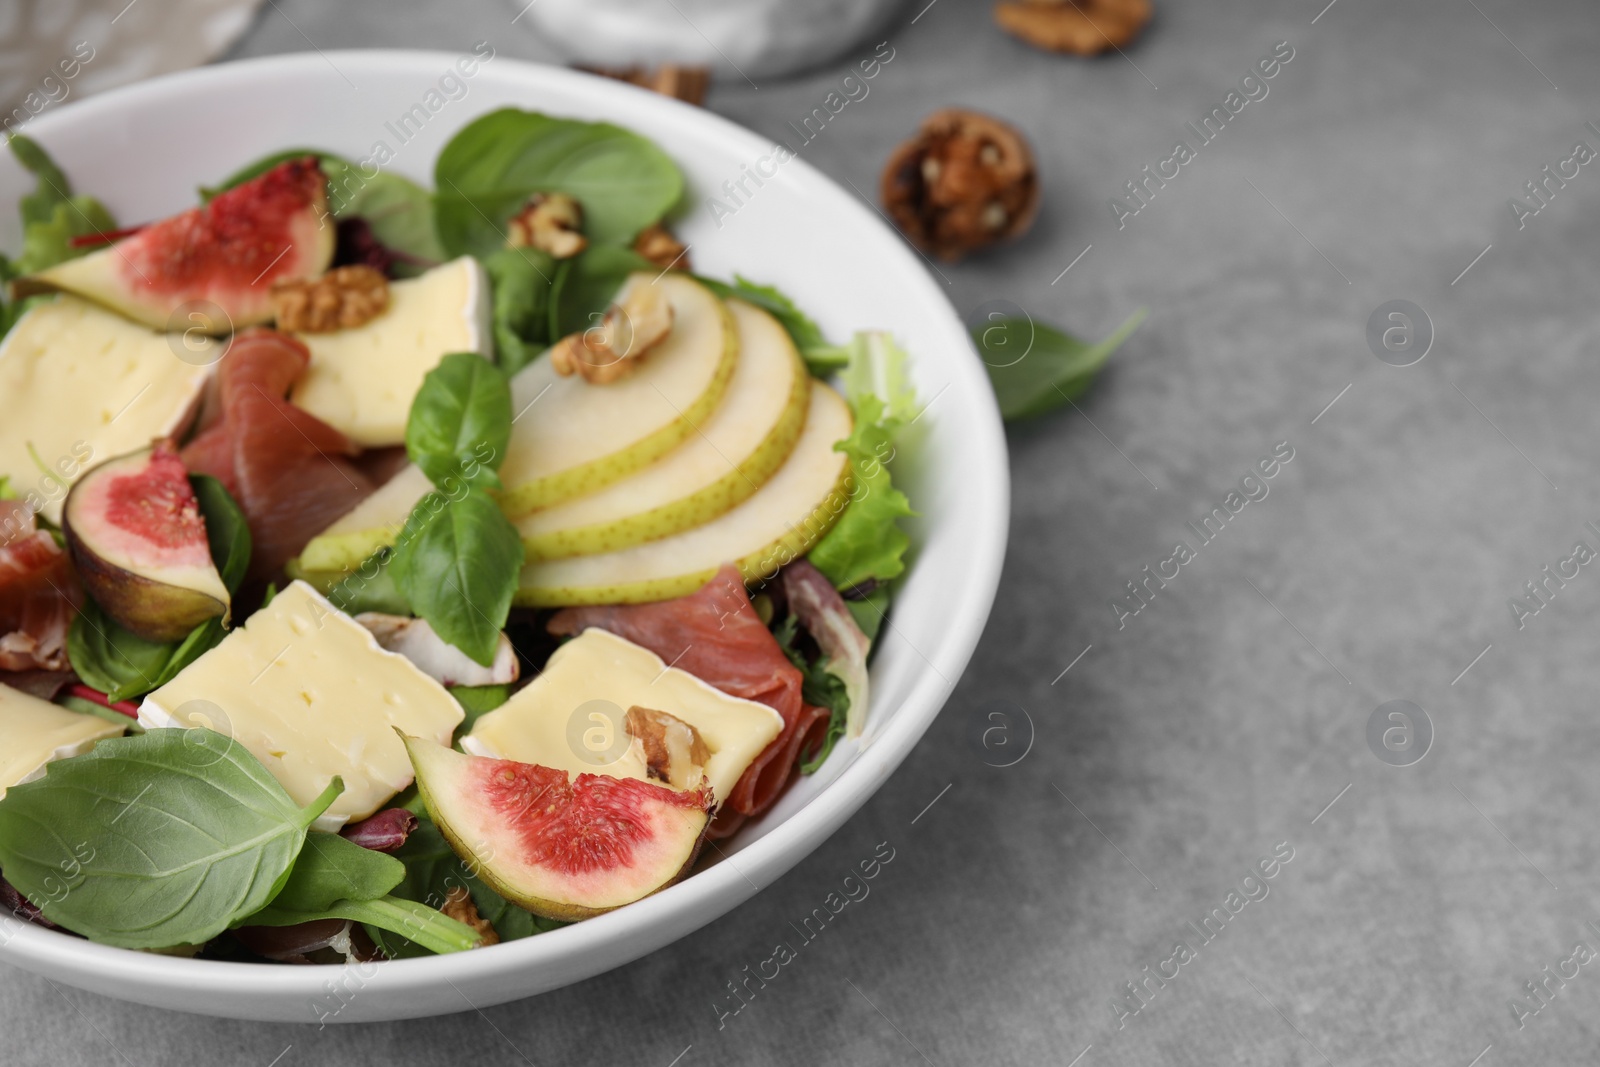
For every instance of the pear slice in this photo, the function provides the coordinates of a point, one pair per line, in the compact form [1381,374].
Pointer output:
[573,437]
[733,453]
[776,524]
[361,381]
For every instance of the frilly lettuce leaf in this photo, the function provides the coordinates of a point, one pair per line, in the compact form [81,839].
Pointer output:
[867,544]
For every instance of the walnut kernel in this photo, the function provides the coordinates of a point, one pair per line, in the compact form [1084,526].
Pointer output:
[1082,27]
[638,319]
[458,905]
[965,181]
[550,222]
[657,244]
[342,299]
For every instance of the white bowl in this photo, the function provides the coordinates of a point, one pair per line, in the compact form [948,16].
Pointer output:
[146,148]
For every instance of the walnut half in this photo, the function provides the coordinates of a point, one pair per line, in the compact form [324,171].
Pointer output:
[342,299]
[965,181]
[458,905]
[1082,27]
[639,319]
[550,222]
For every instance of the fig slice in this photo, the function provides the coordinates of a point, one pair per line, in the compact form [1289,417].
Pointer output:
[210,269]
[562,846]
[134,528]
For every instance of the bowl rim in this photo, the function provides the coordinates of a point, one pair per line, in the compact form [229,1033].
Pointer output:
[727,883]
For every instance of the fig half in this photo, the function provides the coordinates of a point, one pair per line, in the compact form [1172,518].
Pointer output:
[560,845]
[134,528]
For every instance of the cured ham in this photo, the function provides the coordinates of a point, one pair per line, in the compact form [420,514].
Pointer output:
[39,593]
[716,635]
[290,472]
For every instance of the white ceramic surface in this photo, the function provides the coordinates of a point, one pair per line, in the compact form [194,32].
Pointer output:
[144,149]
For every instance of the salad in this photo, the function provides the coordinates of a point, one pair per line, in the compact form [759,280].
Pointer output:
[388,571]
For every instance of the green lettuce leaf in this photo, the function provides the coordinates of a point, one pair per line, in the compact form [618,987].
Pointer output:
[867,544]
[51,216]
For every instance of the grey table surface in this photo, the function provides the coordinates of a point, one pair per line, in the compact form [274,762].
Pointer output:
[1229,718]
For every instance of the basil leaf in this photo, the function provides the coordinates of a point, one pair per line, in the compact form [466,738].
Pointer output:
[370,587]
[163,839]
[331,869]
[1036,368]
[521,279]
[489,169]
[460,421]
[585,284]
[460,569]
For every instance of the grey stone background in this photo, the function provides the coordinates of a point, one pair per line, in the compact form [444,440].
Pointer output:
[1231,712]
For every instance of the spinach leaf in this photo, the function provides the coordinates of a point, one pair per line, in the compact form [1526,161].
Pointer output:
[460,422]
[585,284]
[227,533]
[521,279]
[489,169]
[477,701]
[460,569]
[257,168]
[822,358]
[124,665]
[338,879]
[167,838]
[1036,368]
[399,211]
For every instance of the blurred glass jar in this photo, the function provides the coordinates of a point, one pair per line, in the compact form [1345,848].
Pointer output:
[754,39]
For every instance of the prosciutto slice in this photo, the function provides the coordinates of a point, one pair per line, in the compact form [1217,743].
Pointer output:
[716,635]
[39,593]
[290,472]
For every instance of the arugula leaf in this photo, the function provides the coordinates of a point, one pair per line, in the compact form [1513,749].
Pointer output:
[427,927]
[167,838]
[822,358]
[459,570]
[585,285]
[124,665]
[1036,368]
[99,711]
[489,169]
[819,687]
[521,280]
[460,422]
